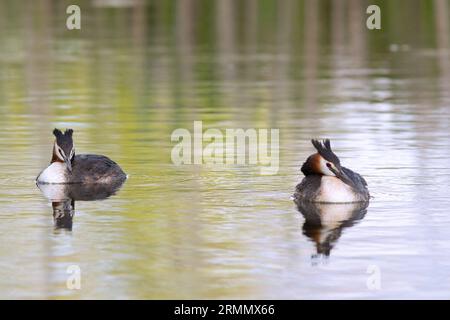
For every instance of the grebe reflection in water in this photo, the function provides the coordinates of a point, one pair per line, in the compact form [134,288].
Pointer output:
[64,196]
[324,222]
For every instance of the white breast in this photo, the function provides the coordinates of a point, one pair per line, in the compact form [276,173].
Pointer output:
[54,192]
[55,173]
[333,189]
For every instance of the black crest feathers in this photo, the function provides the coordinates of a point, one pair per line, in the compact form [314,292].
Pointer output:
[58,133]
[64,140]
[324,149]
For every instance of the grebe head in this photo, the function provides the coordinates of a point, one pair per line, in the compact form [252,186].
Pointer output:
[63,149]
[325,162]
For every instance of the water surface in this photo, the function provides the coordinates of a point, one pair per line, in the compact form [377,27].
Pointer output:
[134,73]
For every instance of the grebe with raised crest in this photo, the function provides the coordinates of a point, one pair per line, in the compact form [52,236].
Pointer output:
[66,167]
[326,181]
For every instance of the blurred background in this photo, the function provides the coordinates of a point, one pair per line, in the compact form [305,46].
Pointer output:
[139,69]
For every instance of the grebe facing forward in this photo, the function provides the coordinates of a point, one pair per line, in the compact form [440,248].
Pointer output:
[66,167]
[326,181]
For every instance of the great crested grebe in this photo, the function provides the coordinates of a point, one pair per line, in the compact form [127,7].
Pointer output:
[66,167]
[326,181]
